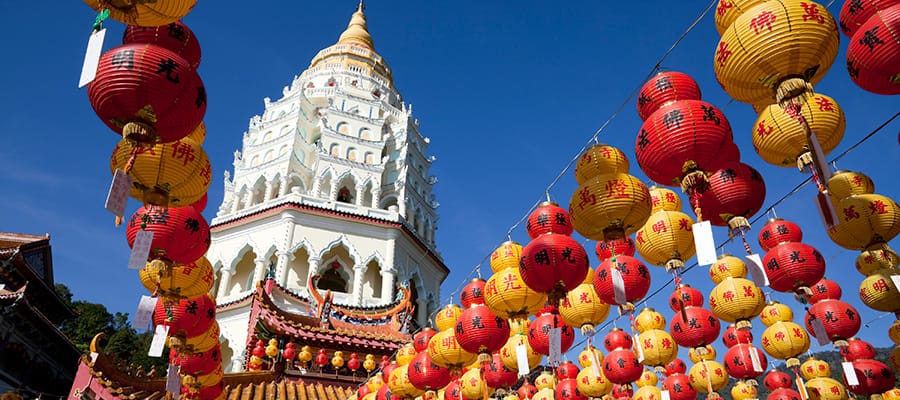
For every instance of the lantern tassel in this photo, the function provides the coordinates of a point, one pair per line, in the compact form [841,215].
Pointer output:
[793,90]
[743,324]
[140,133]
[484,358]
[674,264]
[587,330]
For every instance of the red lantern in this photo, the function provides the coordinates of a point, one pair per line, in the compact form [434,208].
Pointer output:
[567,370]
[694,327]
[680,137]
[736,192]
[260,349]
[147,93]
[778,231]
[386,368]
[322,358]
[290,352]
[793,266]
[479,331]
[212,392]
[621,366]
[623,246]
[873,56]
[739,363]
[199,363]
[665,88]
[175,37]
[855,13]
[353,363]
[679,387]
[421,339]
[840,319]
[623,391]
[825,289]
[472,293]
[634,274]
[526,391]
[857,349]
[384,393]
[617,339]
[776,379]
[548,217]
[568,389]
[676,366]
[200,205]
[362,391]
[685,296]
[496,375]
[733,336]
[180,234]
[425,375]
[784,394]
[874,377]
[539,332]
[188,317]
[553,262]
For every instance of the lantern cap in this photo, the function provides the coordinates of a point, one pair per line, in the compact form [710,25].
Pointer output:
[357,32]
[548,203]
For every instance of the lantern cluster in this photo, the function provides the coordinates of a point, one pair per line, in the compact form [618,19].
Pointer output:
[666,239]
[783,339]
[873,56]
[657,346]
[743,361]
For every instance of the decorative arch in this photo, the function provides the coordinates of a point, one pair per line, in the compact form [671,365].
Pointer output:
[244,269]
[341,241]
[352,153]
[267,137]
[335,150]
[343,128]
[284,130]
[270,155]
[326,180]
[346,187]
[259,191]
[369,158]
[296,181]
[365,134]
[283,150]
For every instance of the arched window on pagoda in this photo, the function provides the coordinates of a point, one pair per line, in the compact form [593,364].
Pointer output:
[344,195]
[332,279]
[243,274]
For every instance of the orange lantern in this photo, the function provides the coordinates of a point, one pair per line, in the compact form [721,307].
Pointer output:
[144,13]
[846,183]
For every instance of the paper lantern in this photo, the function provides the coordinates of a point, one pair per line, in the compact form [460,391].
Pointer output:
[175,37]
[337,361]
[509,357]
[793,267]
[421,339]
[445,351]
[496,375]
[505,256]
[634,274]
[666,239]
[865,220]
[507,295]
[568,389]
[582,308]
[592,384]
[406,354]
[664,88]
[526,391]
[616,338]
[353,363]
[540,330]
[401,385]
[600,159]
[737,300]
[168,174]
[739,361]
[481,332]
[694,327]
[877,257]
[780,139]
[774,312]
[777,231]
[553,263]
[857,349]
[196,344]
[825,388]
[426,375]
[658,348]
[198,363]
[776,379]
[825,289]
[587,356]
[894,332]
[784,394]
[736,192]
[847,183]
[567,370]
[682,137]
[814,368]
[743,390]
[676,366]
[873,54]
[545,394]
[446,317]
[874,377]
[180,234]
[200,205]
[609,206]
[621,366]
[706,374]
[143,13]
[785,340]
[879,292]
[685,296]
[187,317]
[549,217]
[622,246]
[855,13]
[648,378]
[772,41]
[679,387]
[546,380]
[648,319]
[147,94]
[728,10]
[734,336]
[840,319]
[622,391]
[662,199]
[647,393]
[472,293]
[178,281]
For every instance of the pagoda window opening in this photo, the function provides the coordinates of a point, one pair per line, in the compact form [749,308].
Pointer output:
[370,158]
[365,134]
[269,156]
[372,281]
[298,269]
[351,154]
[333,279]
[243,274]
[344,195]
[335,150]
[267,137]
[343,128]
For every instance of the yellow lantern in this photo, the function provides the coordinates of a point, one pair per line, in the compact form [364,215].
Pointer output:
[256,361]
[825,388]
[178,281]
[591,384]
[785,340]
[544,394]
[846,183]
[728,11]
[546,380]
[337,361]
[666,239]
[445,351]
[648,378]
[144,13]
[894,332]
[583,308]
[374,383]
[658,347]
[505,256]
[600,159]
[198,135]
[508,353]
[879,292]
[609,206]
[406,354]
[737,300]
[648,393]
[472,385]
[742,390]
[894,358]
[708,353]
[774,41]
[272,348]
[664,199]
[727,266]
[400,385]
[877,257]
[708,374]
[865,220]
[206,380]
[511,396]
[507,295]
[196,344]
[893,394]
[648,319]
[305,354]
[368,363]
[446,317]
[168,174]
[780,140]
[585,358]
[774,312]
[814,368]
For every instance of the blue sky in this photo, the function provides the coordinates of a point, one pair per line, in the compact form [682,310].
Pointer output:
[507,92]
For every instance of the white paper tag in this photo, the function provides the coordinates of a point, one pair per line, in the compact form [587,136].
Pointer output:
[118,193]
[639,348]
[555,346]
[144,313]
[141,249]
[159,340]
[173,381]
[522,359]
[826,209]
[664,395]
[896,279]
[820,160]
[757,272]
[819,329]
[705,243]
[94,356]
[92,57]
[754,359]
[801,388]
[618,286]
[595,363]
[850,373]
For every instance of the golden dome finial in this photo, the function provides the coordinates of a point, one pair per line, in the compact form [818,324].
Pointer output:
[357,32]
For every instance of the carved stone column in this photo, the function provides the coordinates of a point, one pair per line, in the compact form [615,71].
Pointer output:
[359,195]
[358,271]
[259,270]
[224,283]
[268,194]
[284,189]
[376,196]
[281,269]
[387,285]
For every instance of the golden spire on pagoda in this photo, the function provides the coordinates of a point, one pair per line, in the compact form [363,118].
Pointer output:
[357,32]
